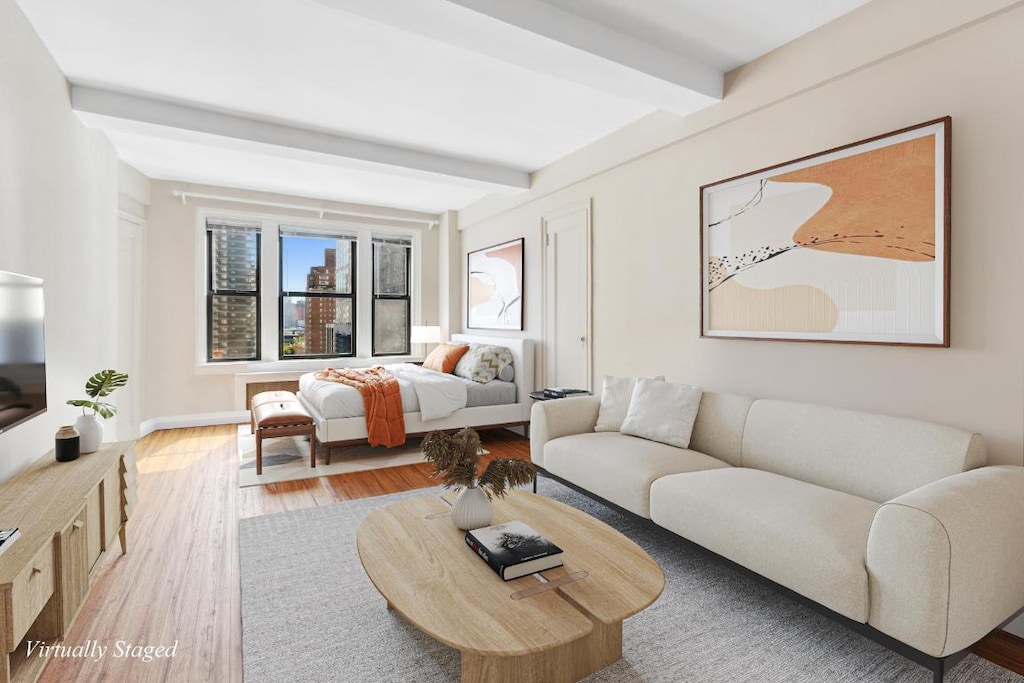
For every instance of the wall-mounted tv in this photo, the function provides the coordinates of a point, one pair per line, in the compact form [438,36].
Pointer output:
[22,349]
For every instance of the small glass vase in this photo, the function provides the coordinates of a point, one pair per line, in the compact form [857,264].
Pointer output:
[472,509]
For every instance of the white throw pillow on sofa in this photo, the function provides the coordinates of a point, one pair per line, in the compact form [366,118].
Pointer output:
[616,394]
[662,412]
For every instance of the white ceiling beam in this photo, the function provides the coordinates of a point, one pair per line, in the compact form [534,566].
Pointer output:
[135,109]
[543,38]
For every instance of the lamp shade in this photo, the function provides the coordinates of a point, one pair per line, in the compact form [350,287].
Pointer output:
[425,335]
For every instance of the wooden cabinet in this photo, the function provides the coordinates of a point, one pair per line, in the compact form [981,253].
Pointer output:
[72,549]
[30,591]
[68,514]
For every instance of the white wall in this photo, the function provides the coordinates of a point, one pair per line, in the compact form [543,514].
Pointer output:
[174,385]
[829,88]
[58,218]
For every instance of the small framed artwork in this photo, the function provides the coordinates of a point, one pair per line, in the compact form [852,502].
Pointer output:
[494,287]
[848,245]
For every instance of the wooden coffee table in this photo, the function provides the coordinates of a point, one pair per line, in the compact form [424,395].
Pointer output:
[421,565]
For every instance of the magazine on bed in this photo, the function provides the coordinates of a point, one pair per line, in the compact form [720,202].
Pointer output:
[513,549]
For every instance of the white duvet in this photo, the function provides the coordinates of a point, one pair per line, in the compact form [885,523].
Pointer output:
[432,394]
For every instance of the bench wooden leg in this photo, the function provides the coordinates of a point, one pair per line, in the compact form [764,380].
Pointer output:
[259,451]
[312,446]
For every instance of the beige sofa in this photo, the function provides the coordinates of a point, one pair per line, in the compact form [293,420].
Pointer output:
[890,522]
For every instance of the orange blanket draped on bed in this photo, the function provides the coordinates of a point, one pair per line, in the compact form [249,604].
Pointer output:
[385,422]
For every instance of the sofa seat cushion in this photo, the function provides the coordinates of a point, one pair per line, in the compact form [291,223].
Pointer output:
[620,468]
[810,539]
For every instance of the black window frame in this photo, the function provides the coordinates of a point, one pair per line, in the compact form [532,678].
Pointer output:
[408,244]
[211,293]
[353,242]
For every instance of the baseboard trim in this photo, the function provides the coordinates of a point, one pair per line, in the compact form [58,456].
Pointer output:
[197,420]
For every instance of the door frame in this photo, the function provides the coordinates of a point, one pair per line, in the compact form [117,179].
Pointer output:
[547,288]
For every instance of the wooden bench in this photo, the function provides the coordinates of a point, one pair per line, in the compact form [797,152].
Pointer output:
[279,413]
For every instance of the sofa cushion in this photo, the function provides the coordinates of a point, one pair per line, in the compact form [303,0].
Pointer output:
[718,429]
[662,412]
[810,539]
[616,394]
[867,455]
[620,468]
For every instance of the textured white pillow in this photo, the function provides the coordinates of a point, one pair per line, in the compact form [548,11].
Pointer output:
[663,412]
[616,393]
[483,362]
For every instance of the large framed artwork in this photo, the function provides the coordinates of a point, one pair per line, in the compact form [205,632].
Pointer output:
[849,245]
[495,287]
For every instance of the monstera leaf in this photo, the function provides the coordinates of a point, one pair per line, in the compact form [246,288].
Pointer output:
[99,385]
[104,382]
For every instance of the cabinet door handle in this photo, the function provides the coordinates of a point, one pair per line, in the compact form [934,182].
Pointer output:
[36,570]
[78,524]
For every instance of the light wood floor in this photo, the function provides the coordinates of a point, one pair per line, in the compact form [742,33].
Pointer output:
[180,577]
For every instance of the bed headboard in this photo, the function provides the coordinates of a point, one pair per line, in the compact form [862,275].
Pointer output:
[522,359]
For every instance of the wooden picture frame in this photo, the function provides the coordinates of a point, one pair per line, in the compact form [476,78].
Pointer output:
[494,287]
[850,245]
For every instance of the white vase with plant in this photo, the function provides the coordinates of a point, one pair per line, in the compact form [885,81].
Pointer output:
[455,458]
[89,425]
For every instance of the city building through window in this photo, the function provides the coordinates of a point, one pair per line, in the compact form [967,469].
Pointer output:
[233,290]
[317,303]
[318,297]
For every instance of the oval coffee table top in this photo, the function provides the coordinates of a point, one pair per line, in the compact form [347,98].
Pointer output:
[421,565]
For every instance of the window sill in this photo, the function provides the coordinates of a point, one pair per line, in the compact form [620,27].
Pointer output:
[305,365]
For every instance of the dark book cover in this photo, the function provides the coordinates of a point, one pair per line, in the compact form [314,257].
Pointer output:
[513,549]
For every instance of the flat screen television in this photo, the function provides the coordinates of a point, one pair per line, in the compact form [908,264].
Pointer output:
[22,349]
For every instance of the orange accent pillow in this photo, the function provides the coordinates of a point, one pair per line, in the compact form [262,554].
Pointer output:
[445,357]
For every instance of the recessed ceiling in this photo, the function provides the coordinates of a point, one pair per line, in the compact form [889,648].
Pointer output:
[429,92]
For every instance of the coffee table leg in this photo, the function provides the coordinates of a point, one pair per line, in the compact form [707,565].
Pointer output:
[564,664]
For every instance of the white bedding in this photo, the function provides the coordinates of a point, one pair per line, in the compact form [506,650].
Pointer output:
[432,394]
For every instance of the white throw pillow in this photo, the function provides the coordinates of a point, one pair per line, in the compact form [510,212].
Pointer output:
[663,412]
[616,393]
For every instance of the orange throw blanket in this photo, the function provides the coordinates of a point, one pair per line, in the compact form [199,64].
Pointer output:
[382,398]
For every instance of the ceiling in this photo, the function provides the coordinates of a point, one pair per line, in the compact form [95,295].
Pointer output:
[420,104]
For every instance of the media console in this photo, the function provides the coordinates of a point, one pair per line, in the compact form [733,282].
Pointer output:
[68,514]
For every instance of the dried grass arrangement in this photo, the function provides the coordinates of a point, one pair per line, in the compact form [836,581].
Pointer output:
[456,458]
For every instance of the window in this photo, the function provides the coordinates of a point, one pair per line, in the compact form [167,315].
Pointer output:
[318,294]
[232,290]
[294,292]
[392,302]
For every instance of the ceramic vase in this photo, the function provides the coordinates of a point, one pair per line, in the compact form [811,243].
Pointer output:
[90,432]
[472,509]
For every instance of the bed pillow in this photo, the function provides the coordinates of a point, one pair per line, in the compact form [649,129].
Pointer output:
[445,357]
[662,412]
[507,373]
[483,362]
[615,397]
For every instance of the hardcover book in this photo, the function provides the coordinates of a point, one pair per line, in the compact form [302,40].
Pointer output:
[513,549]
[562,392]
[7,538]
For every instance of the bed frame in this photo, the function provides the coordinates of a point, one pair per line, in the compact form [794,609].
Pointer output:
[347,431]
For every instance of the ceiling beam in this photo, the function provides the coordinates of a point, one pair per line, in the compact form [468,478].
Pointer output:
[543,38]
[134,109]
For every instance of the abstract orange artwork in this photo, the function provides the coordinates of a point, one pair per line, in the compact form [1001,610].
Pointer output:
[849,245]
[495,287]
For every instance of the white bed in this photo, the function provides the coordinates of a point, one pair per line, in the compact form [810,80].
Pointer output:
[343,430]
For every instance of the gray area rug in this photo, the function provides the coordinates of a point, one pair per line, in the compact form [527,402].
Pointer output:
[310,614]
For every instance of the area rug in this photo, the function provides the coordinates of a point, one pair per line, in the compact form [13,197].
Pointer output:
[310,614]
[286,458]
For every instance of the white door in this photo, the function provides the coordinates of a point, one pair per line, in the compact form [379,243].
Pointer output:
[129,278]
[567,349]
